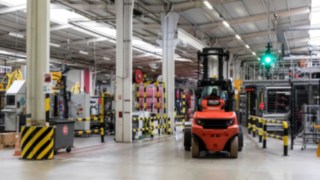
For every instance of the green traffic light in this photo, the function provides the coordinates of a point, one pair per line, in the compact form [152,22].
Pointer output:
[268,59]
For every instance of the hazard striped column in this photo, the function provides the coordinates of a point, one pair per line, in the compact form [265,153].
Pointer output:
[47,107]
[145,123]
[37,143]
[102,130]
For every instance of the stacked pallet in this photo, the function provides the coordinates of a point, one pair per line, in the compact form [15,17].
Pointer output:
[7,140]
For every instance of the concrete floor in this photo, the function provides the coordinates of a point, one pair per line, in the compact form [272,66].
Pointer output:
[163,158]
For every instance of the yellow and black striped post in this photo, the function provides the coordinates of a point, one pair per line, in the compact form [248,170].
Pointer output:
[285,138]
[47,103]
[37,143]
[254,127]
[102,130]
[164,98]
[138,97]
[264,137]
[158,106]
[260,130]
[249,124]
[168,125]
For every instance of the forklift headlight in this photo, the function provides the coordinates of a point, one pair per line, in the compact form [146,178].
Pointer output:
[198,122]
[230,122]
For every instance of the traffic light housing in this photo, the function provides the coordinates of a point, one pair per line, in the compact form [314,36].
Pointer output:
[268,59]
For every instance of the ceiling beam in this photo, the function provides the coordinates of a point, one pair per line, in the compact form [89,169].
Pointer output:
[7,10]
[259,17]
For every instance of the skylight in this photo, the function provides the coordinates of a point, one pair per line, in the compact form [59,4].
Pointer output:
[314,21]
[13,2]
[64,16]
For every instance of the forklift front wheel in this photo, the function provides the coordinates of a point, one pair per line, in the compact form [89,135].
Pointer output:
[195,148]
[187,139]
[234,148]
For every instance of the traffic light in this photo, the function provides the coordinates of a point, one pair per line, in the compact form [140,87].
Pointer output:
[268,59]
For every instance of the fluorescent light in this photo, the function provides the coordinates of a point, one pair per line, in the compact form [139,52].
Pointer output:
[106,58]
[258,59]
[238,37]
[253,53]
[180,59]
[153,70]
[84,52]
[21,60]
[247,46]
[209,6]
[225,23]
[279,51]
[14,34]
[55,45]
[140,67]
[13,2]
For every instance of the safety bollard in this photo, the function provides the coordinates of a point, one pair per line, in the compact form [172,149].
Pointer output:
[254,127]
[249,125]
[102,130]
[285,138]
[264,138]
[260,131]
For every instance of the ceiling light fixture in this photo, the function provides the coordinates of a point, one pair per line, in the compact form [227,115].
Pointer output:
[55,45]
[247,46]
[209,6]
[84,52]
[14,34]
[253,53]
[225,23]
[106,58]
[238,37]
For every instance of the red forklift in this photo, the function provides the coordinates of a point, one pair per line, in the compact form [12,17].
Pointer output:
[214,126]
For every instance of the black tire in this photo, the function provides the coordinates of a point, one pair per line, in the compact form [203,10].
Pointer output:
[187,139]
[68,149]
[195,148]
[234,148]
[240,138]
[55,152]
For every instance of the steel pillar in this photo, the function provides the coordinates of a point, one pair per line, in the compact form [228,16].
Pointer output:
[38,57]
[169,23]
[123,97]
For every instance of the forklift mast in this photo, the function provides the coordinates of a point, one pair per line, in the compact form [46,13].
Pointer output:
[204,58]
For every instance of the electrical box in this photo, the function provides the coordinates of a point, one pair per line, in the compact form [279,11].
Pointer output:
[79,107]
[15,98]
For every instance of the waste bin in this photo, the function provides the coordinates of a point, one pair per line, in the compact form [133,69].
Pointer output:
[64,134]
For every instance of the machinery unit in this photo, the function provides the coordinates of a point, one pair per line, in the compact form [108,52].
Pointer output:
[214,126]
[79,107]
[15,105]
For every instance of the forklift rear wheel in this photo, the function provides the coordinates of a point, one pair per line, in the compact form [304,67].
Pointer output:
[234,148]
[240,139]
[68,149]
[195,148]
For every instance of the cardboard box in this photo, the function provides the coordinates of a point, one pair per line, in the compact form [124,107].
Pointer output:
[7,139]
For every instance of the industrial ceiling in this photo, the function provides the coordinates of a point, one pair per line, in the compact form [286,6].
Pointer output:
[83,31]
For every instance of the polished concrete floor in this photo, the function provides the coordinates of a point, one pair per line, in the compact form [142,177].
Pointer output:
[163,158]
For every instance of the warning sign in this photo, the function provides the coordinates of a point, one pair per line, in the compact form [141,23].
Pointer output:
[65,130]
[261,106]
[47,83]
